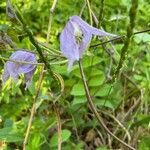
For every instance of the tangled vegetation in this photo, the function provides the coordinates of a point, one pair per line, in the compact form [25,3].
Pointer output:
[101,102]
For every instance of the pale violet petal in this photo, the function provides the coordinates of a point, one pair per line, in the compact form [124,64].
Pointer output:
[14,69]
[28,78]
[86,27]
[76,37]
[68,44]
[23,56]
[84,43]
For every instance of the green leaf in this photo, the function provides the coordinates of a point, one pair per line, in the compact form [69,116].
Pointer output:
[143,37]
[105,90]
[36,141]
[89,61]
[96,81]
[117,17]
[104,103]
[96,72]
[143,120]
[78,90]
[102,148]
[9,135]
[76,72]
[65,134]
[144,143]
[79,100]
[138,77]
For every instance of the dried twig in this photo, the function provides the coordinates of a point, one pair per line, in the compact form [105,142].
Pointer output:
[82,9]
[93,109]
[33,109]
[90,12]
[119,124]
[58,126]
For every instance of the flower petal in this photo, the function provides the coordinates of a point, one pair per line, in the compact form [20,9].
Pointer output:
[14,69]
[86,27]
[23,56]
[85,42]
[75,38]
[28,78]
[68,44]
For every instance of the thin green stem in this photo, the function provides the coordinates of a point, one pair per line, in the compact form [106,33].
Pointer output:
[50,20]
[51,50]
[90,11]
[101,13]
[20,62]
[132,15]
[82,9]
[118,38]
[58,127]
[94,110]
[31,63]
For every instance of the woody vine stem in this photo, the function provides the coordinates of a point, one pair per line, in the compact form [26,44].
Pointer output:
[94,110]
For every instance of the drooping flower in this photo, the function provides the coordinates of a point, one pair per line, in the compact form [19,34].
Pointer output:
[75,38]
[14,69]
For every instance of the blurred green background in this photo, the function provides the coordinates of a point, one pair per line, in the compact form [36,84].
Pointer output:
[125,101]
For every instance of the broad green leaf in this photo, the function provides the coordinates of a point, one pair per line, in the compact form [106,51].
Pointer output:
[65,135]
[36,140]
[96,81]
[142,120]
[96,72]
[79,100]
[138,77]
[102,91]
[90,61]
[144,143]
[78,90]
[7,134]
[143,37]
[104,103]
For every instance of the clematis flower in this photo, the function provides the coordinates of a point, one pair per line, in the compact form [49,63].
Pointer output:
[76,37]
[14,69]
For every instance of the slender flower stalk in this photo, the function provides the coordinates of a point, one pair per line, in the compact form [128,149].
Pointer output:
[132,15]
[94,110]
[50,20]
[101,13]
[118,38]
[90,11]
